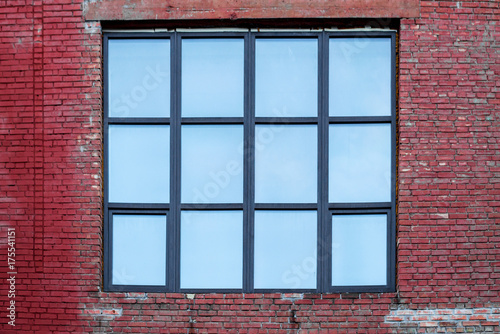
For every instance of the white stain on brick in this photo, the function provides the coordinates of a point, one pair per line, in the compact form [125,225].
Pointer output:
[92,27]
[444,320]
[292,296]
[104,314]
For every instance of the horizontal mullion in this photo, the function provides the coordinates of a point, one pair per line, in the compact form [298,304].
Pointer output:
[212,206]
[139,120]
[258,120]
[138,206]
[212,120]
[212,34]
[360,33]
[286,206]
[287,290]
[286,120]
[359,289]
[359,119]
[135,288]
[217,290]
[137,34]
[286,34]
[373,205]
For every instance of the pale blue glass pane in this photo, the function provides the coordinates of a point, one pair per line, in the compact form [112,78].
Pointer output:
[286,163]
[360,77]
[211,249]
[212,77]
[359,250]
[139,249]
[212,164]
[139,78]
[285,249]
[360,163]
[139,163]
[286,77]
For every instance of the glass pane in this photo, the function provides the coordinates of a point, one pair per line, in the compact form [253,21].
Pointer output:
[212,77]
[360,163]
[212,249]
[286,74]
[286,164]
[139,163]
[360,77]
[359,250]
[139,78]
[285,249]
[139,249]
[212,164]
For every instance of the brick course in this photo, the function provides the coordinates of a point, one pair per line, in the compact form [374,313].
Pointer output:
[448,234]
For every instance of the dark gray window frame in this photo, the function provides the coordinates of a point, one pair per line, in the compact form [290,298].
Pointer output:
[324,209]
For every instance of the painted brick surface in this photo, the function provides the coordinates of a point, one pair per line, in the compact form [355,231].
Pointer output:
[448,201]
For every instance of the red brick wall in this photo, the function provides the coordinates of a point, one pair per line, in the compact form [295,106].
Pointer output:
[449,186]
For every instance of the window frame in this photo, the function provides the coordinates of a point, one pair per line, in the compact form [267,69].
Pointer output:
[325,210]
[109,240]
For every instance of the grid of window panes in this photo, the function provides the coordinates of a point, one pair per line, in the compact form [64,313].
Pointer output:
[250,161]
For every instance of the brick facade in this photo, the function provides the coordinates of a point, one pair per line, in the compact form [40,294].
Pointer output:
[448,235]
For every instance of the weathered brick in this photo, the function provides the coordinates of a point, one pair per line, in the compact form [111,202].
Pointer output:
[448,174]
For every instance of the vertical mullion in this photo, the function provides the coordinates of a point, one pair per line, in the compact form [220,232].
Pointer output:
[175,165]
[323,236]
[107,230]
[249,164]
[327,214]
[391,263]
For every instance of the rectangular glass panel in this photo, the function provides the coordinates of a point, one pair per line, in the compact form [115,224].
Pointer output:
[286,77]
[139,77]
[139,249]
[212,77]
[286,163]
[212,249]
[359,250]
[139,163]
[212,164]
[285,249]
[360,77]
[360,163]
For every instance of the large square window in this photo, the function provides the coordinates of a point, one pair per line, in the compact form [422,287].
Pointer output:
[250,161]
